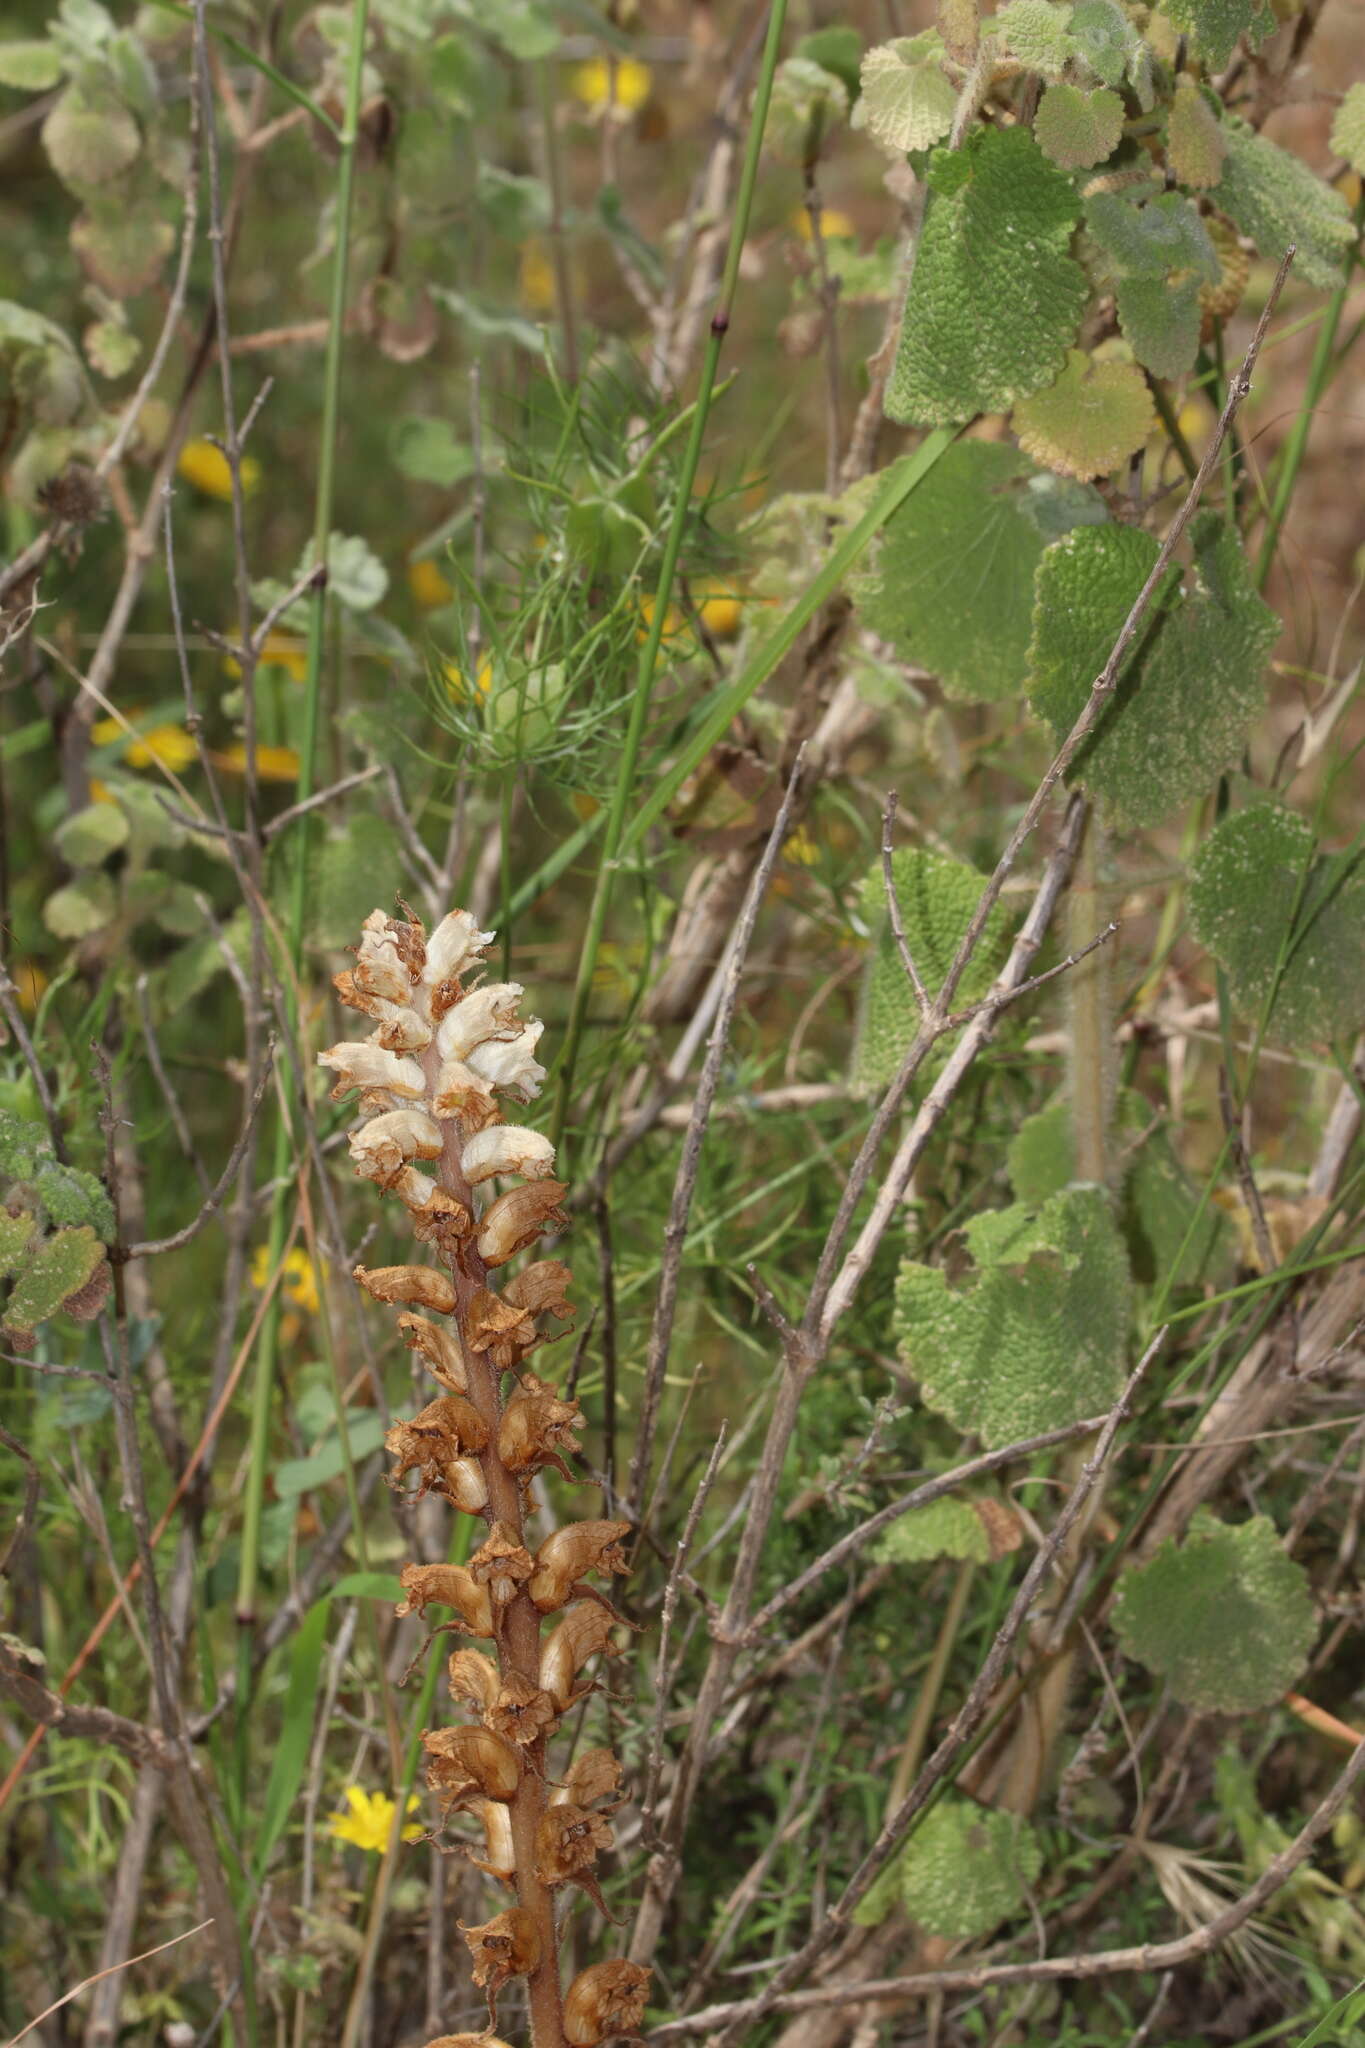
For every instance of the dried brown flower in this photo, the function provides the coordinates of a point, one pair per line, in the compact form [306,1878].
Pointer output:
[440,1349]
[564,1557]
[504,1947]
[465,1762]
[518,1218]
[584,1631]
[417,1286]
[448,1585]
[606,1999]
[502,1564]
[533,1431]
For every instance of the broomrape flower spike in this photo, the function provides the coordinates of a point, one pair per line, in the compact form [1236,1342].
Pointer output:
[447,1050]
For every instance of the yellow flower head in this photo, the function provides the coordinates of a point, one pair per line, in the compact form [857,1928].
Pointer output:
[536,276]
[428,585]
[719,609]
[169,746]
[273,764]
[369,1820]
[29,981]
[592,83]
[298,1283]
[206,467]
[457,682]
[281,650]
[835,225]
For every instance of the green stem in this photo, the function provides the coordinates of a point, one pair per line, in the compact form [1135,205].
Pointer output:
[682,506]
[926,1701]
[264,1383]
[1319,375]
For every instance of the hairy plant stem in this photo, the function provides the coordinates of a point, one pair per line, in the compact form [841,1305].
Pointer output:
[682,509]
[266,1358]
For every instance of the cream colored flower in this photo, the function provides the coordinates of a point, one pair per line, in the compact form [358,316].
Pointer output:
[453,947]
[508,1063]
[506,1148]
[369,1066]
[487,1012]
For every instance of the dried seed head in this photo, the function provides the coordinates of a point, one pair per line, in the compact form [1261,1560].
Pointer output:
[606,1999]
[466,1762]
[447,1585]
[504,1947]
[438,1348]
[418,1286]
[502,1564]
[533,1431]
[569,1840]
[584,1631]
[518,1218]
[564,1557]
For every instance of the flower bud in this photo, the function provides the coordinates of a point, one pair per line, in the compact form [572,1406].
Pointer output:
[418,1286]
[517,1219]
[487,1012]
[605,1999]
[384,1145]
[510,1064]
[584,1631]
[507,1148]
[506,1946]
[454,946]
[462,1762]
[369,1066]
[437,1348]
[564,1557]
[448,1585]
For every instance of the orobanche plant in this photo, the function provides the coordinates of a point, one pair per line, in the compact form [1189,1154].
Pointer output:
[444,1053]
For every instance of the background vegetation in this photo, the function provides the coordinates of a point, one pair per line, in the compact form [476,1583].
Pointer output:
[660,546]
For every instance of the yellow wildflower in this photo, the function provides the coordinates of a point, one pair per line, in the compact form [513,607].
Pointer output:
[428,585]
[370,1819]
[835,225]
[206,467]
[592,83]
[537,276]
[457,682]
[720,610]
[800,848]
[273,764]
[298,1282]
[674,622]
[29,983]
[169,746]
[281,650]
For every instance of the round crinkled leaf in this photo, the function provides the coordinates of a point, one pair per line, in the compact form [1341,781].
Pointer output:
[1037,32]
[995,296]
[34,66]
[907,100]
[90,137]
[110,348]
[1107,41]
[807,102]
[1283,922]
[1274,198]
[1195,147]
[72,1196]
[1077,129]
[1348,128]
[1160,322]
[1090,421]
[123,252]
[83,907]
[1215,25]
[57,1268]
[966,1869]
[950,580]
[974,1531]
[1033,1334]
[937,898]
[1226,1618]
[89,836]
[362,860]
[1190,684]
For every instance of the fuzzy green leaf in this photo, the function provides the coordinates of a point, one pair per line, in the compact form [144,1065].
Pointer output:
[907,100]
[966,1869]
[360,862]
[1107,41]
[90,836]
[1160,322]
[1195,147]
[82,908]
[90,137]
[70,1195]
[1275,199]
[1258,878]
[1038,33]
[123,251]
[1215,25]
[996,295]
[58,1268]
[807,103]
[937,898]
[15,1232]
[1032,1337]
[1090,421]
[834,49]
[1225,1617]
[1077,129]
[429,451]
[1157,254]
[950,583]
[110,348]
[1348,128]
[22,1144]
[34,66]
[1189,687]
[946,1528]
